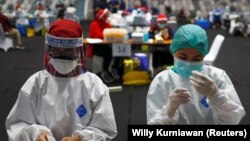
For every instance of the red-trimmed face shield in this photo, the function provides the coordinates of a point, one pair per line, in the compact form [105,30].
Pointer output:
[64,57]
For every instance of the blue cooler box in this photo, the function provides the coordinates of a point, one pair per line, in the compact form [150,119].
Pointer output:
[22,30]
[32,22]
[143,57]
[204,24]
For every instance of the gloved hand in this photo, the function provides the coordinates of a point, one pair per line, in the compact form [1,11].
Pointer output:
[73,138]
[43,137]
[177,97]
[204,85]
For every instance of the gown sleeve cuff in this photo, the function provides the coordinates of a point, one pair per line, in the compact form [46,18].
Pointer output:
[85,135]
[218,99]
[33,131]
[169,119]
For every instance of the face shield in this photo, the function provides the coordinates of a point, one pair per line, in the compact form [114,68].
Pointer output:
[103,15]
[64,57]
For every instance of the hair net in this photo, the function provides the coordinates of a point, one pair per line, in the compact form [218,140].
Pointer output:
[190,36]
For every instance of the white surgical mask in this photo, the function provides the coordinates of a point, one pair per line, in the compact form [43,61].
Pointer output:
[64,66]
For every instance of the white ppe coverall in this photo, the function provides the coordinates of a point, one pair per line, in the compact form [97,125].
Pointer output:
[224,109]
[62,107]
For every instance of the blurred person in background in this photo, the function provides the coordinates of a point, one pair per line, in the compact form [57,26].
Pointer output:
[160,29]
[160,32]
[18,10]
[98,25]
[10,30]
[192,92]
[70,13]
[40,11]
[60,10]
[216,17]
[96,29]
[114,6]
[63,102]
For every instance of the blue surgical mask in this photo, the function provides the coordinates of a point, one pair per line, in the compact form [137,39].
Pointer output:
[162,25]
[185,68]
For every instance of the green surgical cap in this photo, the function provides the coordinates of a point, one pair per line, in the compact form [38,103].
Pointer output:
[190,36]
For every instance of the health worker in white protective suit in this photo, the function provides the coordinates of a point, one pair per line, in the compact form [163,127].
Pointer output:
[63,102]
[192,92]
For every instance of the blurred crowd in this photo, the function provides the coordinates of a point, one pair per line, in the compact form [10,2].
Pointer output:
[139,20]
[231,15]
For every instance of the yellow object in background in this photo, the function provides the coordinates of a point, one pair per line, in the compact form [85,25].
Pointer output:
[136,78]
[144,47]
[128,65]
[30,32]
[44,31]
[131,64]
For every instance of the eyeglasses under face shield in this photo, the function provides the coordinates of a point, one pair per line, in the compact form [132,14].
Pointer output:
[63,48]
[64,53]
